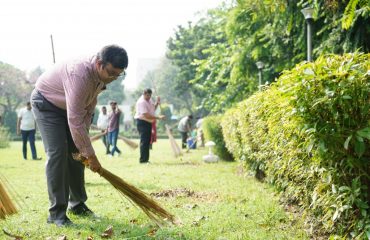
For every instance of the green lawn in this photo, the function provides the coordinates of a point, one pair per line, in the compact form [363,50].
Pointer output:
[213,201]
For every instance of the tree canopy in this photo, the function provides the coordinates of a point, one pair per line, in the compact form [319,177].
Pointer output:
[214,60]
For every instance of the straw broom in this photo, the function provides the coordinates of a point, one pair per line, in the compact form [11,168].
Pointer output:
[150,207]
[6,205]
[175,148]
[129,142]
[97,136]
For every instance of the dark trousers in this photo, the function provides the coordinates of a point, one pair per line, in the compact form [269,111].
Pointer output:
[29,135]
[64,175]
[184,139]
[145,131]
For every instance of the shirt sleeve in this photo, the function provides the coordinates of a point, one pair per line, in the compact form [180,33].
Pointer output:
[76,92]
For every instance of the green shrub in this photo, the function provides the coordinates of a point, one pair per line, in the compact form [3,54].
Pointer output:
[310,132]
[10,121]
[212,132]
[4,138]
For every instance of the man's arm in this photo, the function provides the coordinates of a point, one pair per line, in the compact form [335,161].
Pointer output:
[153,117]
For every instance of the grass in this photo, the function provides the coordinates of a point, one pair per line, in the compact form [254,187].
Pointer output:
[213,201]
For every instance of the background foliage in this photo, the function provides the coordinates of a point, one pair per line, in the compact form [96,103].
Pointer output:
[310,132]
[212,132]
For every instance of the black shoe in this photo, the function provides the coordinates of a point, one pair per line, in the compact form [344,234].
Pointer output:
[81,210]
[38,158]
[60,222]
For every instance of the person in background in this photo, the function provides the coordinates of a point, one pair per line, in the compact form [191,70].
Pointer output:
[63,102]
[145,115]
[184,128]
[27,127]
[113,127]
[102,124]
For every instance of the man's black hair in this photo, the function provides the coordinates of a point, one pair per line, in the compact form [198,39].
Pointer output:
[115,55]
[147,90]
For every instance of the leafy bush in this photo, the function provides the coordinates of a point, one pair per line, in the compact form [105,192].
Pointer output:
[310,131]
[212,132]
[4,138]
[10,121]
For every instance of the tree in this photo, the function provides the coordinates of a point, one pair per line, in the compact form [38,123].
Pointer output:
[15,91]
[114,92]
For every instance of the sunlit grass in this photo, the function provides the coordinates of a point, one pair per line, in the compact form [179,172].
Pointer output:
[212,200]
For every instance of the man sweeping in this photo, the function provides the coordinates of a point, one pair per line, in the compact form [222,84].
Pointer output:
[63,102]
[184,128]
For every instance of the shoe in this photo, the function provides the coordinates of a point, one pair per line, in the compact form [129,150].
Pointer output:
[39,158]
[24,158]
[145,162]
[81,210]
[60,222]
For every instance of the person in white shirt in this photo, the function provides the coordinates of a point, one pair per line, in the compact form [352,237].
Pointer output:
[103,121]
[27,127]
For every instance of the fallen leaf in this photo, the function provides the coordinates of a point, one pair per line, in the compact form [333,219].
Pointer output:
[89,238]
[152,232]
[133,221]
[191,206]
[198,219]
[63,237]
[108,232]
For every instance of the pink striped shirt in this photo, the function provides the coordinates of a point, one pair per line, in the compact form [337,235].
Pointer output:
[143,106]
[74,86]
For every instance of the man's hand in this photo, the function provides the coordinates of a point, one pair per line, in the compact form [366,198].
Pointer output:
[94,163]
[161,117]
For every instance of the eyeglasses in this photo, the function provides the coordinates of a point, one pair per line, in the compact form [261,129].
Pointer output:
[112,74]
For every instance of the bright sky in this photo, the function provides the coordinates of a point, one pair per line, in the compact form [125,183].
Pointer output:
[81,27]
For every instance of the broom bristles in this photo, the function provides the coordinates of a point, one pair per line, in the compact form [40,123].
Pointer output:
[175,148]
[6,205]
[129,142]
[150,207]
[97,136]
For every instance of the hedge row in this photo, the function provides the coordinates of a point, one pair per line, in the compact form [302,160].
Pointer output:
[310,133]
[212,132]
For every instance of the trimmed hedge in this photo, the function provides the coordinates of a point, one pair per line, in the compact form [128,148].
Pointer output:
[310,133]
[212,132]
